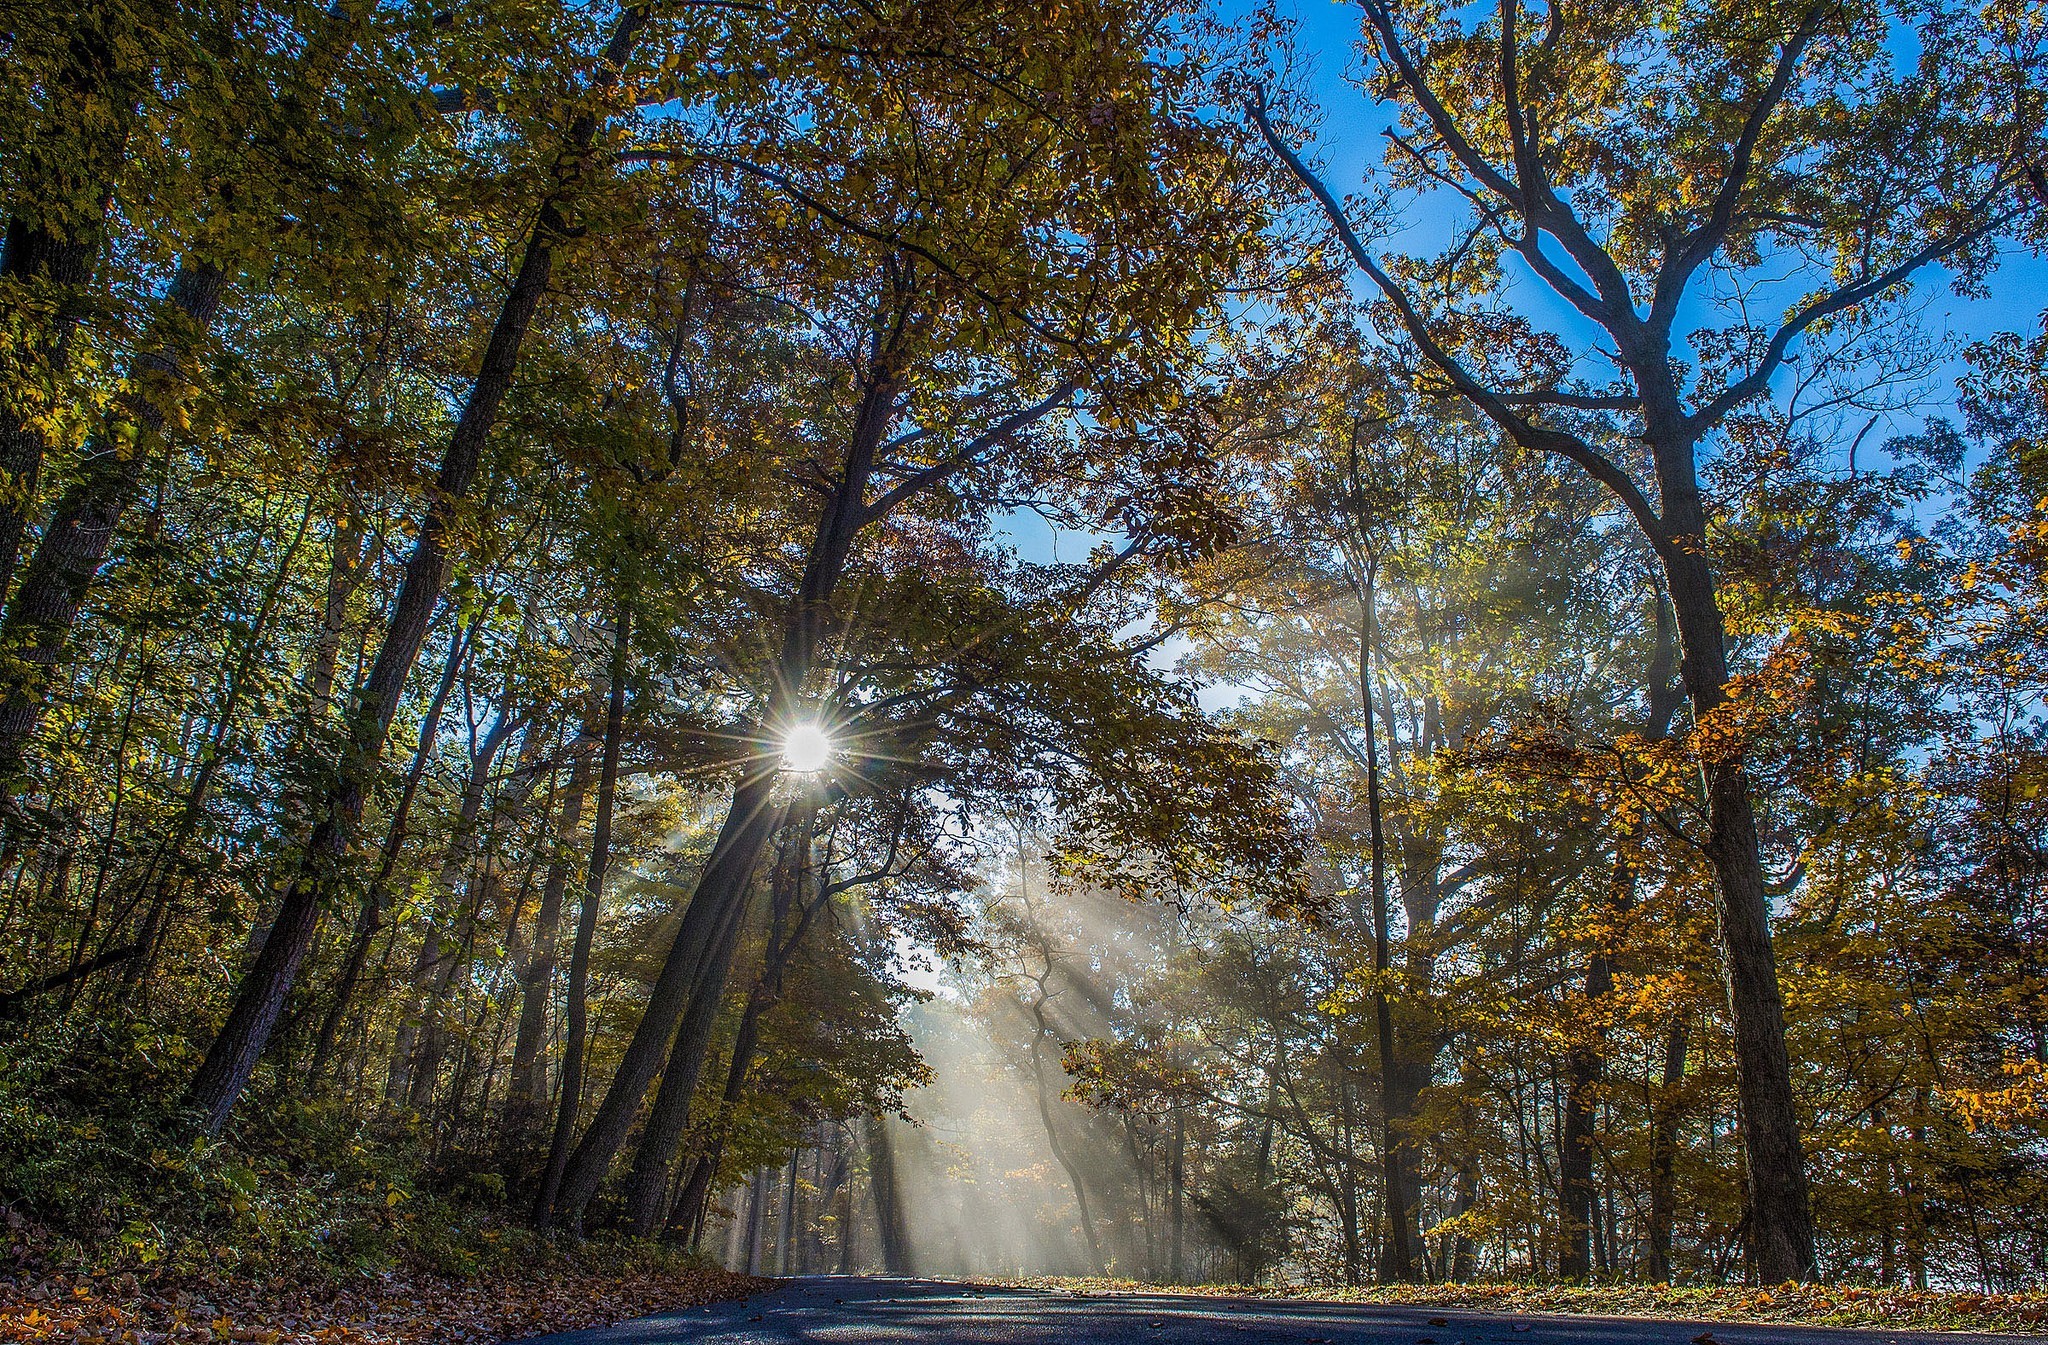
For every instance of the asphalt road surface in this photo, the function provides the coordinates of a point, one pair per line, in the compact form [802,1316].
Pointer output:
[933,1312]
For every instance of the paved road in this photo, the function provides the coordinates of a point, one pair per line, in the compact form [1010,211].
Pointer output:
[931,1312]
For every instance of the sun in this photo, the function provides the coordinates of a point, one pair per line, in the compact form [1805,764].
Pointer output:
[806,748]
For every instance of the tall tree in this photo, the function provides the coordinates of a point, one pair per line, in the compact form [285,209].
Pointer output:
[1620,204]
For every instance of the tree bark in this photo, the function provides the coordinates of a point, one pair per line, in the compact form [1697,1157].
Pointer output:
[260,997]
[1664,1115]
[785,1241]
[723,883]
[1586,1069]
[1781,1210]
[575,1044]
[888,1194]
[537,979]
[654,1162]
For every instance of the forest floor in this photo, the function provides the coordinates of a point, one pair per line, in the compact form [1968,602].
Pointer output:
[1809,1305]
[405,1306]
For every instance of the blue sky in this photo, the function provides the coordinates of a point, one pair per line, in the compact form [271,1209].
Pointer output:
[1349,150]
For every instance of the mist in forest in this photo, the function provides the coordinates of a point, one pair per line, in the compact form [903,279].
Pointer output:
[1000,1168]
[981,1189]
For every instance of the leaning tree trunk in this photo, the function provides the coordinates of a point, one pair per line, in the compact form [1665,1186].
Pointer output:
[693,1206]
[749,819]
[260,997]
[655,1159]
[654,1162]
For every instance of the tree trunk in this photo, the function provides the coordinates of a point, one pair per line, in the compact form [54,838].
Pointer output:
[1576,1135]
[370,914]
[537,979]
[655,1160]
[344,576]
[848,1257]
[723,883]
[882,1178]
[1177,1196]
[1398,1260]
[1664,1115]
[757,1199]
[575,1045]
[697,1190]
[1781,1214]
[260,997]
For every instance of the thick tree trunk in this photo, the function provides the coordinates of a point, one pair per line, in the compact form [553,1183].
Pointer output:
[723,883]
[654,1162]
[1781,1214]
[670,1118]
[721,889]
[696,1195]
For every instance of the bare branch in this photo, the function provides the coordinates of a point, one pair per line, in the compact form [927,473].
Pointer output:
[1536,437]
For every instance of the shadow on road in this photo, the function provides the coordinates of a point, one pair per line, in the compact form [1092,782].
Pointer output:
[860,1310]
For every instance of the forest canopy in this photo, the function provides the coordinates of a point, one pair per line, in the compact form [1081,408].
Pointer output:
[1116,637]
